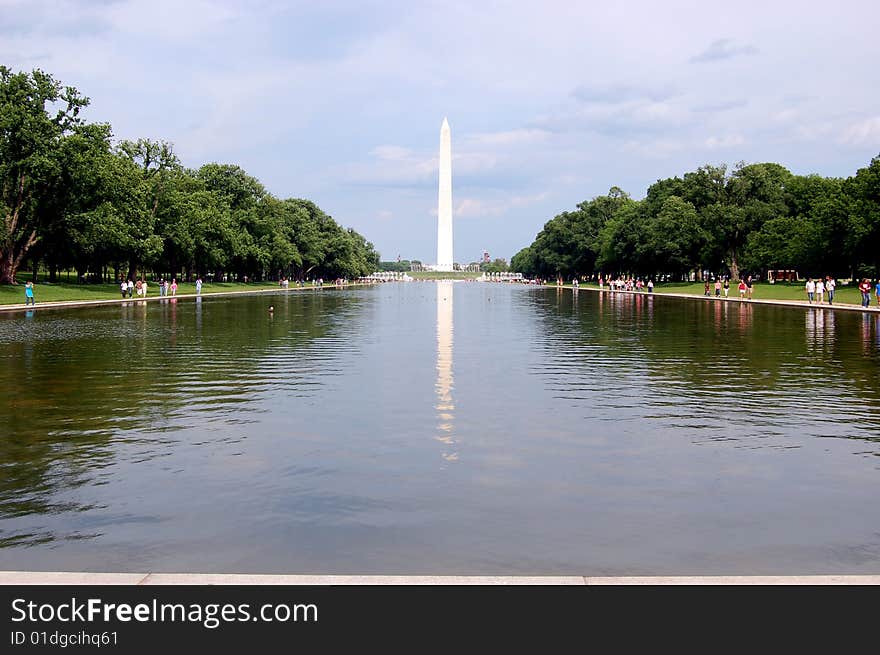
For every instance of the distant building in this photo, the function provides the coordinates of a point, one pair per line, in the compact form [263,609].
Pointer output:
[787,275]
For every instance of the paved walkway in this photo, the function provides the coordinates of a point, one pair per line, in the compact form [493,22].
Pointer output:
[60,304]
[75,578]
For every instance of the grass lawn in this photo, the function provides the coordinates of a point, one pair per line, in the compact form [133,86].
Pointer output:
[63,291]
[762,291]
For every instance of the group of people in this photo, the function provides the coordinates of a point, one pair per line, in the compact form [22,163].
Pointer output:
[816,289]
[284,282]
[627,284]
[722,285]
[128,288]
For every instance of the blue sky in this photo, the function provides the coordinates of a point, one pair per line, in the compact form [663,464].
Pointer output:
[550,103]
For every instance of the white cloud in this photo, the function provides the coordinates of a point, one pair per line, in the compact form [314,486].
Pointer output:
[813,131]
[392,153]
[618,93]
[170,19]
[521,136]
[654,148]
[863,133]
[620,118]
[723,49]
[728,141]
[475,208]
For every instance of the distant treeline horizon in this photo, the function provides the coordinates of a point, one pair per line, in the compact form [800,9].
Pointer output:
[71,198]
[748,220]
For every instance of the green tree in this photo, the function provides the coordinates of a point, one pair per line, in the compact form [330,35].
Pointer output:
[673,238]
[498,265]
[863,191]
[756,194]
[523,262]
[29,138]
[622,246]
[159,168]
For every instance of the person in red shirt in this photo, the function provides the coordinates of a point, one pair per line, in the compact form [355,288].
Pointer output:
[742,289]
[865,288]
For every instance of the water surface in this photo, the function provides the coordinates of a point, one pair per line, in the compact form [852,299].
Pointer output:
[448,428]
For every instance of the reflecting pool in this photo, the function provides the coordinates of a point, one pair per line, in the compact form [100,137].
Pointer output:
[441,428]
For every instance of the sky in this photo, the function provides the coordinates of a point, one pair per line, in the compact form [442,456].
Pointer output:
[550,103]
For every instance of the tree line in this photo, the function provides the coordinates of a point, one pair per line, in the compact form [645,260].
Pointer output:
[748,220]
[73,199]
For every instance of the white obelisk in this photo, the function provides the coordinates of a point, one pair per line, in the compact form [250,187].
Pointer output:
[444,205]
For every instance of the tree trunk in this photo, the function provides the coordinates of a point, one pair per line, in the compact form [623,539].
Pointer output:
[7,273]
[9,258]
[734,266]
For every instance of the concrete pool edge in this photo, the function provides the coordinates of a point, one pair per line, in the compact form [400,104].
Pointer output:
[9,578]
[62,304]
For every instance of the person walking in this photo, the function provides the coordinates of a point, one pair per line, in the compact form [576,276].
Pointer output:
[830,284]
[139,288]
[162,286]
[742,289]
[820,291]
[29,294]
[651,286]
[173,286]
[877,292]
[130,287]
[706,288]
[749,284]
[865,288]
[726,286]
[198,286]
[144,287]
[810,286]
[123,287]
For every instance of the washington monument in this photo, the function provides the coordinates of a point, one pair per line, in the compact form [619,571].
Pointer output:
[444,205]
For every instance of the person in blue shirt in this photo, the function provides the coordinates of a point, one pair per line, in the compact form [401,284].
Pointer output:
[29,294]
[877,292]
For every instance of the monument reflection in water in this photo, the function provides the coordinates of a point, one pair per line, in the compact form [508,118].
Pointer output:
[445,405]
